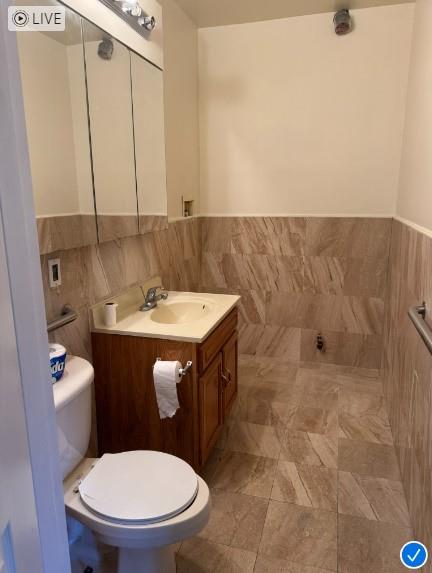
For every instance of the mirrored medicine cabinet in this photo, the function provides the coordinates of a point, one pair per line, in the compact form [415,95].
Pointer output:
[95,128]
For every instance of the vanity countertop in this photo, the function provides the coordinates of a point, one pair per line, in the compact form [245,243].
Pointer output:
[185,316]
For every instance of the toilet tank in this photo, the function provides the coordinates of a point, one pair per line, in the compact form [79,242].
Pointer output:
[72,400]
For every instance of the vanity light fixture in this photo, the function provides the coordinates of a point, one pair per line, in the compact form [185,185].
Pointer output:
[131,12]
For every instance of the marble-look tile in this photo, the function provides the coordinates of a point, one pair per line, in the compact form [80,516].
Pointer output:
[369,428]
[75,336]
[308,486]
[365,277]
[200,556]
[253,439]
[61,233]
[211,464]
[365,546]
[268,235]
[264,412]
[315,420]
[212,273]
[324,275]
[244,473]
[342,348]
[304,310]
[236,520]
[152,223]
[216,234]
[362,416]
[360,383]
[313,379]
[317,389]
[274,393]
[364,458]
[362,315]
[377,499]
[309,449]
[361,403]
[318,274]
[263,272]
[307,535]
[252,306]
[113,227]
[341,370]
[265,564]
[283,370]
[268,340]
[348,237]
[407,370]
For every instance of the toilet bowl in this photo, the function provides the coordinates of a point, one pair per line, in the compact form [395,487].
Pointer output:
[141,502]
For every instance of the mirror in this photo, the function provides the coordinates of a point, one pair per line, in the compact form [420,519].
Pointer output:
[54,93]
[111,126]
[148,117]
[95,125]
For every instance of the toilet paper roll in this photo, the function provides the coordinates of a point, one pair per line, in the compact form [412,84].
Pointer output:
[57,355]
[110,313]
[166,376]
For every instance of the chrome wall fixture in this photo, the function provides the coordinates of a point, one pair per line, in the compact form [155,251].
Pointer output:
[417,315]
[131,12]
[67,315]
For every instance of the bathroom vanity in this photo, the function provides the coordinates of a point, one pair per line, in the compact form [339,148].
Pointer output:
[200,328]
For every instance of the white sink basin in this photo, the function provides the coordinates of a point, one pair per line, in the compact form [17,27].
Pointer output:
[180,312]
[187,316]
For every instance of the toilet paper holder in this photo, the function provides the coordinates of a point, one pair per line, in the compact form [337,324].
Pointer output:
[182,371]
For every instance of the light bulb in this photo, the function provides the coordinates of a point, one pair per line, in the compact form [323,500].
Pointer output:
[132,7]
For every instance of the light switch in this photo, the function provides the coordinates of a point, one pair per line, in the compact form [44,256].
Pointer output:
[54,273]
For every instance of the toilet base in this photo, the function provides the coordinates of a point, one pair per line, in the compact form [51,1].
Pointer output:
[152,560]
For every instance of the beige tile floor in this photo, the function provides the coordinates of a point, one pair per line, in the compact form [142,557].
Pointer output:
[304,478]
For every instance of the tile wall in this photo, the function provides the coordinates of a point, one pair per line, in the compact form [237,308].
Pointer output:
[91,274]
[407,371]
[301,276]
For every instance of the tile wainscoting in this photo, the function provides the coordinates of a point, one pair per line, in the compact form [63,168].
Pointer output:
[94,273]
[299,276]
[407,371]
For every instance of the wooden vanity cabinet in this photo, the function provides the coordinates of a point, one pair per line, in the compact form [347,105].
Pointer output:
[127,411]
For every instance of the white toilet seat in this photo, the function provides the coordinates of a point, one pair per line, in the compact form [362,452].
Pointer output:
[140,487]
[135,535]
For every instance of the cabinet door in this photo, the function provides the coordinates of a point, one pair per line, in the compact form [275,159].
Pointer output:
[210,390]
[229,373]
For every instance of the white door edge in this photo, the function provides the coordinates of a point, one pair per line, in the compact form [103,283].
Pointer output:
[21,242]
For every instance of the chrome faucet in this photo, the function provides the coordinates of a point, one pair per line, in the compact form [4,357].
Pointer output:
[152,298]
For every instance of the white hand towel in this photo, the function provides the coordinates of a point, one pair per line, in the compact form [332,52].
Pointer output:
[166,376]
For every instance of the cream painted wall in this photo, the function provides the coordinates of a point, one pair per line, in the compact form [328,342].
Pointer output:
[415,191]
[181,107]
[295,120]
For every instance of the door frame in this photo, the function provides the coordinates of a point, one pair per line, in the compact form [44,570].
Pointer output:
[21,243]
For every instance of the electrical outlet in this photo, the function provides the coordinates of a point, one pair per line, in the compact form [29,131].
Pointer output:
[54,273]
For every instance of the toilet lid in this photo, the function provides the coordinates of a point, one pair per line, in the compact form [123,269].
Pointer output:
[139,487]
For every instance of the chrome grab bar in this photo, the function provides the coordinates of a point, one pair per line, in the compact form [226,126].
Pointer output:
[68,315]
[418,316]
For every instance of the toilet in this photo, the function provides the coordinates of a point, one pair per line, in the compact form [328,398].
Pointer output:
[141,502]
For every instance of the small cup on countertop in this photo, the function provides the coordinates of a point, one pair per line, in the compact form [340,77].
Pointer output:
[110,313]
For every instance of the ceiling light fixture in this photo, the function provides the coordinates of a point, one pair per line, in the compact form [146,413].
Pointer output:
[133,14]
